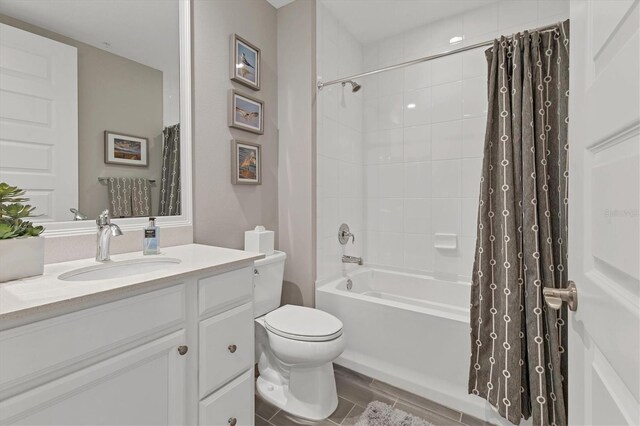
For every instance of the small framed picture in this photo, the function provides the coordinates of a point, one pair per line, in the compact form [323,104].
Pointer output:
[246,112]
[245,62]
[125,149]
[246,163]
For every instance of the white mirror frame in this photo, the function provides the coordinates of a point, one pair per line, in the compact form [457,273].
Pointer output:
[186,218]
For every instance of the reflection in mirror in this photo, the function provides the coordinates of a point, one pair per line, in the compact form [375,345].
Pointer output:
[90,106]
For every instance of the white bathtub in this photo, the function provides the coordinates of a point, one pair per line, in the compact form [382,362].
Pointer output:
[411,331]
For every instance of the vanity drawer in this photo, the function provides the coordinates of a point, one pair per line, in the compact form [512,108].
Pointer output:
[63,342]
[226,347]
[225,290]
[233,404]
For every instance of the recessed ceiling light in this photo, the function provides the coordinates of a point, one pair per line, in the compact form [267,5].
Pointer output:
[411,106]
[456,39]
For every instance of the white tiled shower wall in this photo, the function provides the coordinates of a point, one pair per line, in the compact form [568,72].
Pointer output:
[340,190]
[416,134]
[424,133]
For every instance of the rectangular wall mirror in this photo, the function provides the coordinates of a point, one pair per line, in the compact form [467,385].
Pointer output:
[95,110]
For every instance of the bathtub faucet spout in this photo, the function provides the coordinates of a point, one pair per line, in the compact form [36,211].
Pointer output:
[351,259]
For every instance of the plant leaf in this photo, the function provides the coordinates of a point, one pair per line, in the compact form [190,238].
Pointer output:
[12,213]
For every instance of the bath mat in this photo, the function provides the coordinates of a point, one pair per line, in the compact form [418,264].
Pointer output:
[380,414]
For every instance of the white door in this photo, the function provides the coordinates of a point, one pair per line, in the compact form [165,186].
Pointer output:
[39,121]
[604,247]
[144,386]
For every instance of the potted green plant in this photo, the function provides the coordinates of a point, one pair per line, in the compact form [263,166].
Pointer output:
[21,247]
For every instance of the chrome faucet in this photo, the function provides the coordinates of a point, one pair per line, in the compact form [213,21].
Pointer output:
[106,229]
[351,259]
[77,215]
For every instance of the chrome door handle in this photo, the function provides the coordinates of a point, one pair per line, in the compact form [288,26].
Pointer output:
[555,296]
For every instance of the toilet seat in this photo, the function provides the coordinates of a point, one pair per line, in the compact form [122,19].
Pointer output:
[302,323]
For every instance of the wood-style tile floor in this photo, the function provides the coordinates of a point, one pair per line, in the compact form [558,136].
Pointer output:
[355,391]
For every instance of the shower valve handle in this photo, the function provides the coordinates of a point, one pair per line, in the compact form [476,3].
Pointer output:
[344,234]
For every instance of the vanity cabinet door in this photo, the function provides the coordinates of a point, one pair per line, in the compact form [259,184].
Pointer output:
[144,386]
[55,346]
[231,405]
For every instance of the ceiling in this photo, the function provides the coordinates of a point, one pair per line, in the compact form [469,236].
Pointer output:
[279,3]
[372,20]
[140,30]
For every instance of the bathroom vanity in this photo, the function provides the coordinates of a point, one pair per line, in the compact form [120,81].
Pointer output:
[171,342]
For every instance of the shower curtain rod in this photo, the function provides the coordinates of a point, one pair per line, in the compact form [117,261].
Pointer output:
[322,85]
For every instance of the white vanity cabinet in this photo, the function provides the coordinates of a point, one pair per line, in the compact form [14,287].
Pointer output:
[142,386]
[179,352]
[110,364]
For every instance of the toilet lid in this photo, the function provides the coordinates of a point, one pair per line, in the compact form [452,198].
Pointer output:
[300,323]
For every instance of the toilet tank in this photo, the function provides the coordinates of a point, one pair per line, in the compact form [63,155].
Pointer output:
[267,283]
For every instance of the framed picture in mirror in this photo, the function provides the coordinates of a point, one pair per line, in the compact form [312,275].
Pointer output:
[245,62]
[246,112]
[246,163]
[125,149]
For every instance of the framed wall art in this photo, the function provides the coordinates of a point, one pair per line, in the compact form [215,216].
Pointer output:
[125,149]
[246,163]
[246,112]
[245,62]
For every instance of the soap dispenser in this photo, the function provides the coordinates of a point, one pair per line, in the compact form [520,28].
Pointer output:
[151,243]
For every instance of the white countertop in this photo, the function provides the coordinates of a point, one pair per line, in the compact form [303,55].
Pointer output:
[44,294]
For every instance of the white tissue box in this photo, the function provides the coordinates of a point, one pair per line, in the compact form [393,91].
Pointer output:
[259,240]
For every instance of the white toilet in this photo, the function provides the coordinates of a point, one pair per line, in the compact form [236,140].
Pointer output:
[295,347]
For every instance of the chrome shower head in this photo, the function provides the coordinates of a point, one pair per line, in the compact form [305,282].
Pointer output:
[354,86]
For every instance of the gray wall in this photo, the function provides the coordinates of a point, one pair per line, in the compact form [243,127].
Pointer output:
[222,211]
[117,94]
[122,96]
[296,122]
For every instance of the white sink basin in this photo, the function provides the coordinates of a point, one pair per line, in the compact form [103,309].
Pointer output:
[123,268]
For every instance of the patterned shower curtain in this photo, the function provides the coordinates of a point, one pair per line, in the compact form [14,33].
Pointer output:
[170,178]
[518,345]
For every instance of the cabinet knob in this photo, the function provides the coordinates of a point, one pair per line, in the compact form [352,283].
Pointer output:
[182,349]
[232,348]
[233,421]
